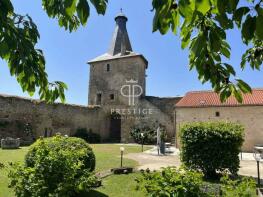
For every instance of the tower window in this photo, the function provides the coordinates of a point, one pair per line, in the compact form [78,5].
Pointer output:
[98,99]
[111,96]
[108,67]
[217,114]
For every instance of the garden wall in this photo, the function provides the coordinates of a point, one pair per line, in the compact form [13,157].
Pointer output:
[29,119]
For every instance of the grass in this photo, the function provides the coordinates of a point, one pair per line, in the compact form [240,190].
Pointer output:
[107,156]
[118,186]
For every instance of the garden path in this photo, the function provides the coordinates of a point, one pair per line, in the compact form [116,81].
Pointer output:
[151,160]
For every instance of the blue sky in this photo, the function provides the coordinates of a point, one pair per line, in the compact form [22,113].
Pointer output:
[67,53]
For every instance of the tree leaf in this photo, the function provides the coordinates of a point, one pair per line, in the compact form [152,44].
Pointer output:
[83,11]
[175,20]
[230,69]
[224,21]
[238,15]
[243,86]
[233,4]
[225,52]
[215,41]
[203,6]
[259,24]
[100,5]
[237,95]
[248,29]
[186,8]
[198,44]
[70,6]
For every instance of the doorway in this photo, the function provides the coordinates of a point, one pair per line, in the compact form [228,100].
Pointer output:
[115,128]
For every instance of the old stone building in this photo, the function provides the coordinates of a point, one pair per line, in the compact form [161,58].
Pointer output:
[118,102]
[201,106]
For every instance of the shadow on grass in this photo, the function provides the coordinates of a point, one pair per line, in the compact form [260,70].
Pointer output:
[93,193]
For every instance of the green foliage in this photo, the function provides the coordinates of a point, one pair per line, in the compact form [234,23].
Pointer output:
[211,146]
[149,135]
[203,29]
[88,136]
[241,187]
[19,36]
[72,13]
[172,182]
[57,166]
[183,182]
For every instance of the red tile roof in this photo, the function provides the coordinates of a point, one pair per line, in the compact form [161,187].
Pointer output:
[210,98]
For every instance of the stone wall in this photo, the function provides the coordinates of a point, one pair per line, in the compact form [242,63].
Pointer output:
[165,104]
[107,82]
[249,116]
[27,119]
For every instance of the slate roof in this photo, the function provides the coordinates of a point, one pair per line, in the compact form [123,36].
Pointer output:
[120,43]
[120,46]
[211,99]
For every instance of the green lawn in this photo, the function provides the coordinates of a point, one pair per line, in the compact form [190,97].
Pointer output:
[118,186]
[107,156]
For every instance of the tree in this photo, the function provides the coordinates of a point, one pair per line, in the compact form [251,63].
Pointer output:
[19,36]
[202,23]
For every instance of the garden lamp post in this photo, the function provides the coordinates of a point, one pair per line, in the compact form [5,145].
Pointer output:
[122,150]
[258,160]
[142,136]
[257,156]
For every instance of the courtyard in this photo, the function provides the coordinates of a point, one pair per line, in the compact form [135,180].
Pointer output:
[108,156]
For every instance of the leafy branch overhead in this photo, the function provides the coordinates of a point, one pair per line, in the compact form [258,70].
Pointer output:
[203,25]
[203,28]
[19,36]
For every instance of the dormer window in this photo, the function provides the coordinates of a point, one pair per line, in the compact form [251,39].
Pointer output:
[108,67]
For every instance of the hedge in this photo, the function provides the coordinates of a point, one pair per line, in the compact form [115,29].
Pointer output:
[211,146]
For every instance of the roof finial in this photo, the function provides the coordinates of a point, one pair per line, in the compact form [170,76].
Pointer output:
[121,10]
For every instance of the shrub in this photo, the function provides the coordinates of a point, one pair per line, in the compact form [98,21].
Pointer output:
[57,166]
[172,181]
[211,146]
[88,136]
[148,138]
[241,187]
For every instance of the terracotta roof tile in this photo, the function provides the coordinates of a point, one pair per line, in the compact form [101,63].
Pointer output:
[210,98]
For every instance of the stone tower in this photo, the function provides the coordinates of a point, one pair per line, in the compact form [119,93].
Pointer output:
[115,69]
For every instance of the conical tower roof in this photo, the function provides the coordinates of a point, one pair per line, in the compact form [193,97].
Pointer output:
[120,46]
[120,43]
